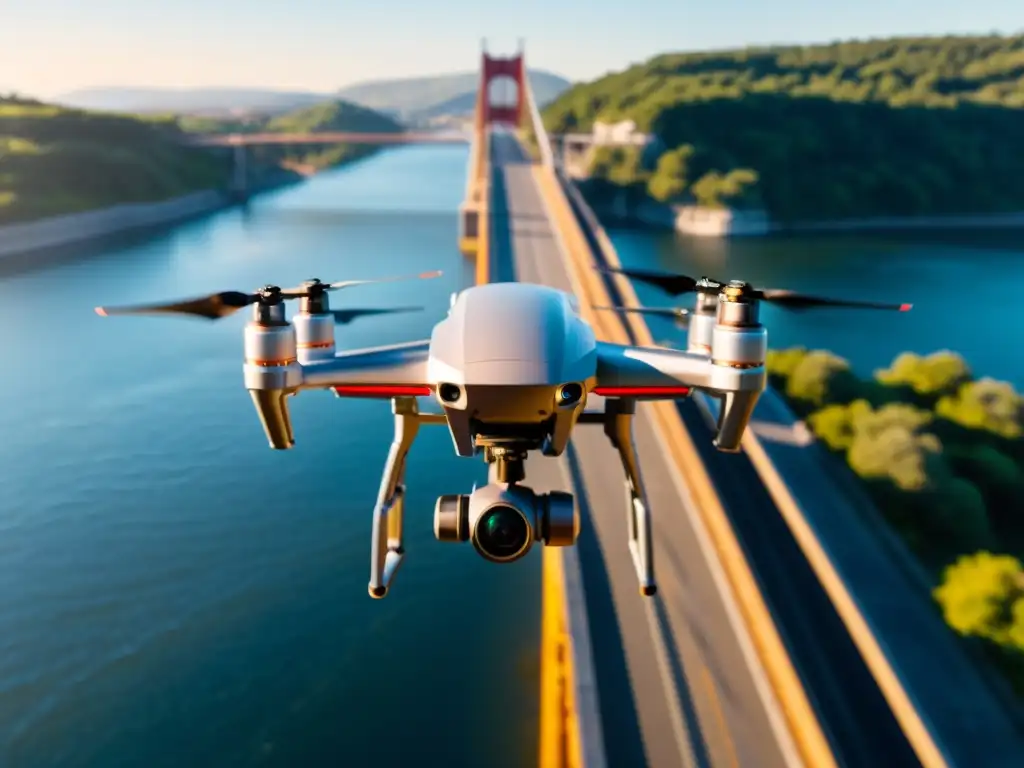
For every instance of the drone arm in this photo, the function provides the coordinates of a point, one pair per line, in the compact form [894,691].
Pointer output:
[663,374]
[382,372]
[387,547]
[625,367]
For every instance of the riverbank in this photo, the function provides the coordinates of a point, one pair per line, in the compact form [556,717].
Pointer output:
[30,237]
[697,221]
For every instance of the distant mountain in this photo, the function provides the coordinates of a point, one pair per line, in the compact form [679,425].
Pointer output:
[421,97]
[208,101]
[334,115]
[409,99]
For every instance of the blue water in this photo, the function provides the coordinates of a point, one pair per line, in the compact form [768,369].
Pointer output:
[965,288]
[173,592]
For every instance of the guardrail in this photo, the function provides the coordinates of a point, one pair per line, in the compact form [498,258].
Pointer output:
[800,716]
[474,211]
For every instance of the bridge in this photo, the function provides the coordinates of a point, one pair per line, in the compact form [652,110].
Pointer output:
[789,627]
[327,137]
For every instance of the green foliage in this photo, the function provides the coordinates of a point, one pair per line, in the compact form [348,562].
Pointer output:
[670,178]
[982,595]
[333,116]
[931,376]
[923,126]
[820,378]
[55,160]
[988,405]
[782,362]
[715,190]
[946,469]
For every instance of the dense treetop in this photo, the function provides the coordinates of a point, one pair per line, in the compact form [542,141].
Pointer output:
[903,126]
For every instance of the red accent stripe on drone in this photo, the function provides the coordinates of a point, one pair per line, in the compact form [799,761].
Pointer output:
[383,390]
[641,391]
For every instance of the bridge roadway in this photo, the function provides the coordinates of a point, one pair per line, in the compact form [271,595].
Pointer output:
[678,681]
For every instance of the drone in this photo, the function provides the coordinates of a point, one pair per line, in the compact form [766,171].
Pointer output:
[512,367]
[702,319]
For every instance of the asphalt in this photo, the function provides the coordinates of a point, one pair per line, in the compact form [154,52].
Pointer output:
[677,679]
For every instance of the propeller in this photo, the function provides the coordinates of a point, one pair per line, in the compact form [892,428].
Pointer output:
[219,305]
[345,316]
[676,313]
[680,284]
[673,285]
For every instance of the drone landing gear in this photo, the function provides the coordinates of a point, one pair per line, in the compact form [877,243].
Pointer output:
[618,426]
[387,550]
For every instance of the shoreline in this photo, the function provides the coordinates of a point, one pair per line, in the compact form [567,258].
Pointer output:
[19,240]
[27,238]
[695,221]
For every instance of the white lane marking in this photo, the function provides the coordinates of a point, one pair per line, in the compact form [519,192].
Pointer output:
[771,705]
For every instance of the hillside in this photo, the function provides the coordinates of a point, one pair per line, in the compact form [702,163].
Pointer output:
[208,101]
[335,115]
[55,160]
[883,127]
[419,97]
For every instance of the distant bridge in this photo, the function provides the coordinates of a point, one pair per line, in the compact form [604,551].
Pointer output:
[328,137]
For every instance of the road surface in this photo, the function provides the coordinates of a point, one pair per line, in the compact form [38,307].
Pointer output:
[678,681]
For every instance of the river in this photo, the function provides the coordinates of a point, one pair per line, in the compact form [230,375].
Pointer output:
[173,592]
[964,287]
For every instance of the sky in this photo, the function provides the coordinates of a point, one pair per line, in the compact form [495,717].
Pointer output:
[49,47]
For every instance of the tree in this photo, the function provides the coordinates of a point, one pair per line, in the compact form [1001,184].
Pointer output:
[782,362]
[669,180]
[821,378]
[930,376]
[988,405]
[982,595]
[708,190]
[838,426]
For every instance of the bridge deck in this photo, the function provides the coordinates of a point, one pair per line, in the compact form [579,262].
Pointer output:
[677,679]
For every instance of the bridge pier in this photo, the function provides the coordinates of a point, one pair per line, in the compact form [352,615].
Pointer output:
[469,226]
[239,186]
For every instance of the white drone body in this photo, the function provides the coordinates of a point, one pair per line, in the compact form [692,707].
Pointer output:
[512,366]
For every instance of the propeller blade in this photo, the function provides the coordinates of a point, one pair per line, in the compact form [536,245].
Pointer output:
[797,301]
[345,316]
[674,285]
[673,312]
[350,283]
[211,307]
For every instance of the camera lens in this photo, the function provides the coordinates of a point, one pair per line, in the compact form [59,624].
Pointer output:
[569,393]
[502,532]
[449,393]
